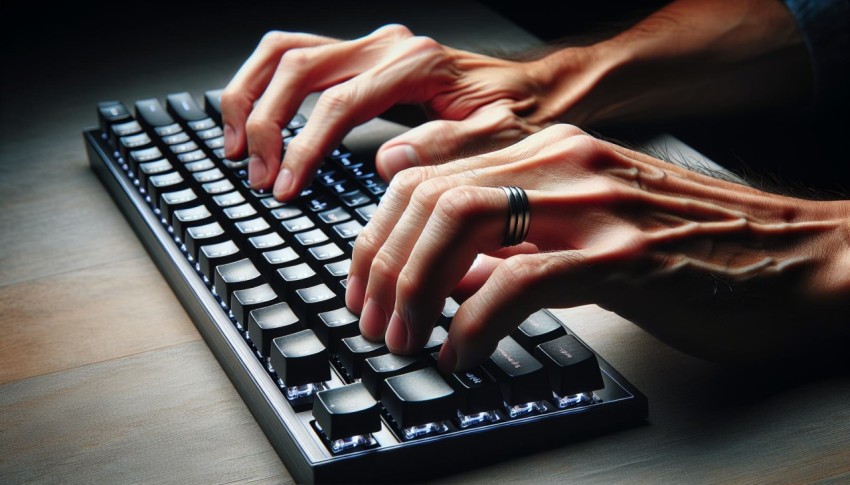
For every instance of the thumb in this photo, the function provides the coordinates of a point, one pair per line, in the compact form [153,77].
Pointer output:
[440,141]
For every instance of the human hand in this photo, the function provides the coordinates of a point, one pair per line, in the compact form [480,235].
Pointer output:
[714,268]
[479,103]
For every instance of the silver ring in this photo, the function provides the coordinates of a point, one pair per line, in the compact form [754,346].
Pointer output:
[519,216]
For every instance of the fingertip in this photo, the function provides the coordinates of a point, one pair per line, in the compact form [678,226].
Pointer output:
[373,321]
[397,335]
[283,183]
[355,292]
[447,360]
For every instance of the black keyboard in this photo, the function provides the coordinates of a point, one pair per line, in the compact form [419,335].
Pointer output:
[264,282]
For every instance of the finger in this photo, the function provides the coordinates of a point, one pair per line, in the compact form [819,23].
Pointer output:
[401,188]
[518,287]
[302,71]
[483,267]
[250,81]
[488,129]
[465,222]
[410,72]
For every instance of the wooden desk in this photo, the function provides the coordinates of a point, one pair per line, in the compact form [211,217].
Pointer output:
[104,379]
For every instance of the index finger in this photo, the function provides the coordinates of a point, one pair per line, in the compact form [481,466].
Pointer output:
[251,80]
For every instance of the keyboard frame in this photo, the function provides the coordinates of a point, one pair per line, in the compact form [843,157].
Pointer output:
[300,448]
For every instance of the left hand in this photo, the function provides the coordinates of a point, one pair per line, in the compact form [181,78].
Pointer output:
[714,268]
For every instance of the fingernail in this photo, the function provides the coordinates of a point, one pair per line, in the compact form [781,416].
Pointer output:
[448,358]
[354,293]
[229,138]
[373,320]
[283,182]
[397,334]
[397,158]
[256,171]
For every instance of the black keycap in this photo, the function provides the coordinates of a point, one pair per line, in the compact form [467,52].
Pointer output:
[572,367]
[212,104]
[183,106]
[298,224]
[294,277]
[377,369]
[267,323]
[190,217]
[300,358]
[435,341]
[142,155]
[147,169]
[119,130]
[338,269]
[265,242]
[169,202]
[334,216]
[242,302]
[346,411]
[234,276]
[198,236]
[110,113]
[228,199]
[418,398]
[314,300]
[477,391]
[213,255]
[521,377]
[366,212]
[335,325]
[164,182]
[346,231]
[354,350]
[539,327]
[151,113]
[274,259]
[325,253]
[281,210]
[240,211]
[355,198]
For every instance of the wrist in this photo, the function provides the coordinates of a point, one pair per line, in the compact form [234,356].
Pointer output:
[570,80]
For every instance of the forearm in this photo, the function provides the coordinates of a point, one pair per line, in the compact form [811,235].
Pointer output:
[691,58]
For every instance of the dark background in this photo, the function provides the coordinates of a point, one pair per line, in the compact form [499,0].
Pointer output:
[54,48]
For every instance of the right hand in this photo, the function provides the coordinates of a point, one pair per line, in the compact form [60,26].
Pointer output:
[479,103]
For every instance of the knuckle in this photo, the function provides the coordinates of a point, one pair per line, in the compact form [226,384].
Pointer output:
[232,101]
[562,131]
[406,181]
[429,191]
[394,31]
[421,45]
[273,38]
[586,151]
[334,99]
[295,59]
[257,126]
[520,270]
[384,265]
[459,203]
[367,242]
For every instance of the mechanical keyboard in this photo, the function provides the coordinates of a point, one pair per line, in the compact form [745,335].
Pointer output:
[264,282]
